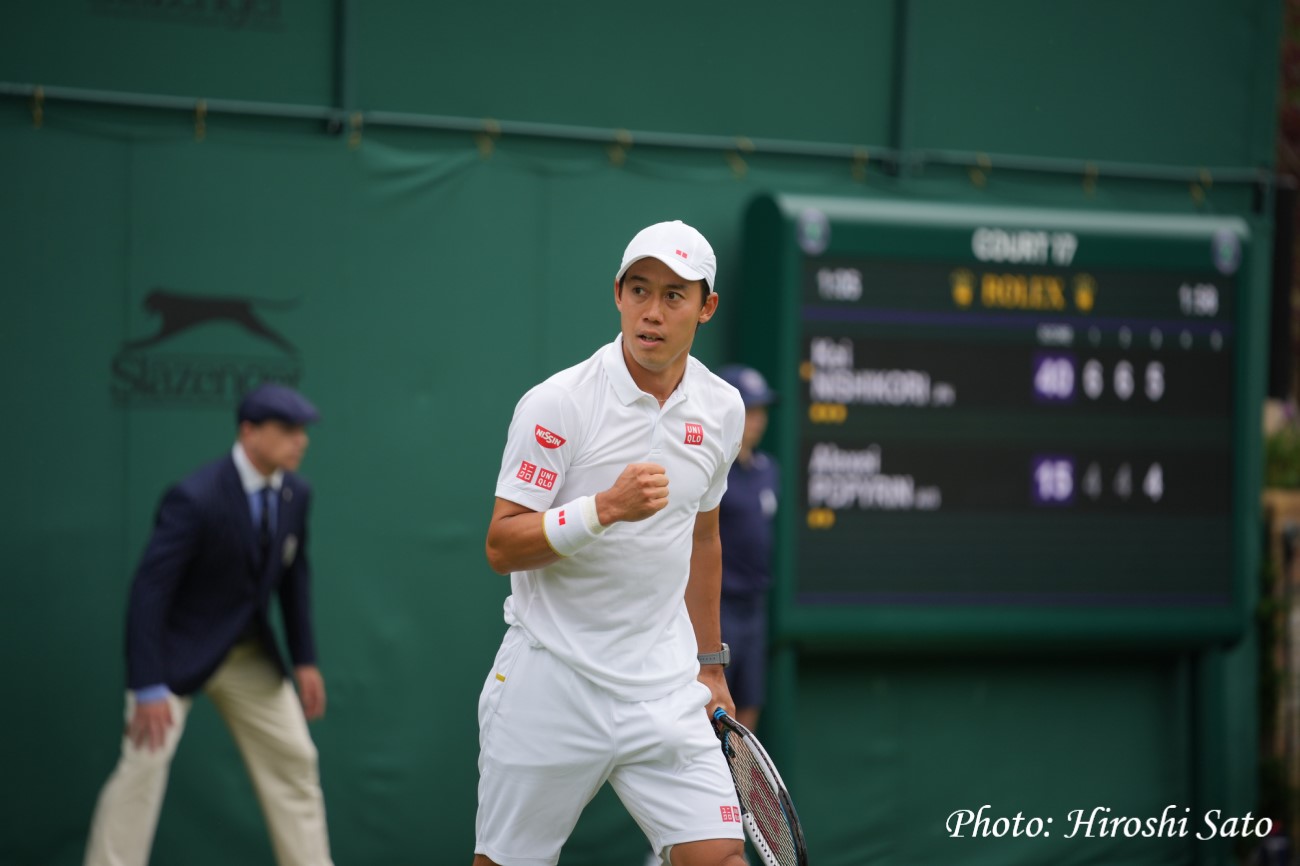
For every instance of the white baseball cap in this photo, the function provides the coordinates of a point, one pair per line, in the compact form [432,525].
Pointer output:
[678,246]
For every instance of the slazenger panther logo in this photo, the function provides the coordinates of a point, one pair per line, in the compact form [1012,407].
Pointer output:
[546,438]
[181,312]
[159,369]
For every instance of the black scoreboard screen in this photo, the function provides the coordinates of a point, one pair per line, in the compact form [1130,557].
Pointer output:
[999,419]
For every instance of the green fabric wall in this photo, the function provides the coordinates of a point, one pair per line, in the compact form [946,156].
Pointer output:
[1037,737]
[425,286]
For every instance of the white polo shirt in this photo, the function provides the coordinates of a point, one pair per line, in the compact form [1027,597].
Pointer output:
[615,610]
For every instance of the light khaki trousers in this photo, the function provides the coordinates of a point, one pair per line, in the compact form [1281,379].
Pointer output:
[262,712]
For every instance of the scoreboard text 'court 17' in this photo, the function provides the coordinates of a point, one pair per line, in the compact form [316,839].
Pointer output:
[1006,423]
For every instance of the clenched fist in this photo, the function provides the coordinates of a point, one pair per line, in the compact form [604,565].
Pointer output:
[640,491]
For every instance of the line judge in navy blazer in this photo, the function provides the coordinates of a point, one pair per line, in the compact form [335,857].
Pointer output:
[226,540]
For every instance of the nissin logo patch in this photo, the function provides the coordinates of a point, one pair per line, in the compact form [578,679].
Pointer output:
[546,438]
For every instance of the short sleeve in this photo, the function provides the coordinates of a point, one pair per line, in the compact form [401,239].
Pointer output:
[733,425]
[538,449]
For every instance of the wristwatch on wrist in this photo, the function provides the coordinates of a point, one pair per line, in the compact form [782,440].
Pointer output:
[719,658]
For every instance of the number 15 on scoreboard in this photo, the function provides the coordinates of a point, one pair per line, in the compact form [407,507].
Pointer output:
[1053,480]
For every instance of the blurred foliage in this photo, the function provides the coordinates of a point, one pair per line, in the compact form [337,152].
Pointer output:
[1282,457]
[1276,798]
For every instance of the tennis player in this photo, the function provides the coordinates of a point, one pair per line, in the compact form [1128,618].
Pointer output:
[606,519]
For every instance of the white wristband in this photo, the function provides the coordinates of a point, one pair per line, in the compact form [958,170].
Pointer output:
[572,526]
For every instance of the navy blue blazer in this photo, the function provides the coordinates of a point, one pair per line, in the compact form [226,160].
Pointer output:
[200,586]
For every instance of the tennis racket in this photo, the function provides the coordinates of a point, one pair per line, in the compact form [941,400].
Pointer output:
[765,807]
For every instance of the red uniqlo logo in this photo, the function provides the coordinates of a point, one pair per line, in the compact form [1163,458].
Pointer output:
[730,815]
[561,519]
[682,254]
[546,478]
[526,471]
[546,438]
[694,434]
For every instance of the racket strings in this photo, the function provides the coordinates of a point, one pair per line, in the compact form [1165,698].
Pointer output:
[761,802]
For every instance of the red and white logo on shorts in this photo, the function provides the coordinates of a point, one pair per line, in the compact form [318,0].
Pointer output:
[694,434]
[546,438]
[546,478]
[731,814]
[526,471]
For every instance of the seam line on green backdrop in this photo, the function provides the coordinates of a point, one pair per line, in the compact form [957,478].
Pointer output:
[891,160]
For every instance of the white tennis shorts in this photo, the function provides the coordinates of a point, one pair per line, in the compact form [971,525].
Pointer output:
[549,738]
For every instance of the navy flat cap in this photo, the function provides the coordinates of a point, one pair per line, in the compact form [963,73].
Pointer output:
[750,383]
[273,401]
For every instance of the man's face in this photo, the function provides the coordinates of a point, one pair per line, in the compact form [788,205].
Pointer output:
[274,445]
[660,312]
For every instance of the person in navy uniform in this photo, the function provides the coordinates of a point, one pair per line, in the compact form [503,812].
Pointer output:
[745,521]
[226,540]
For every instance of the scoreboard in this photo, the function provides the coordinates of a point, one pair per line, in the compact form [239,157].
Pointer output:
[1005,423]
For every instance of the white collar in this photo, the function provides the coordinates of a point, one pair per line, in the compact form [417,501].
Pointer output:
[253,480]
[625,387]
